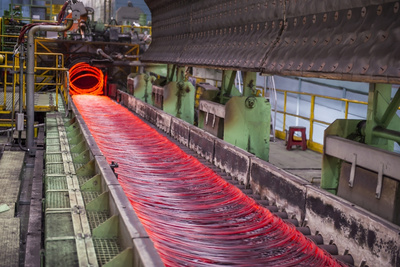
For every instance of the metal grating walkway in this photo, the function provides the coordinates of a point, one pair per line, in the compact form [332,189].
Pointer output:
[77,221]
[11,165]
[67,233]
[9,240]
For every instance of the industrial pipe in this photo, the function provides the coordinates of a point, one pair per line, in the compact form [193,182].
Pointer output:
[391,110]
[105,63]
[30,77]
[21,86]
[386,134]
[21,76]
[103,54]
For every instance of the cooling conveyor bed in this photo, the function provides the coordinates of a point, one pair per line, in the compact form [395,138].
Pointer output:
[88,219]
[165,207]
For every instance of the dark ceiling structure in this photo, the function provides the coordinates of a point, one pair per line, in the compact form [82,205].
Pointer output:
[338,39]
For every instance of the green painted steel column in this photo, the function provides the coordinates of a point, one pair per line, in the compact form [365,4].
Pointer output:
[179,94]
[381,129]
[381,113]
[228,88]
[391,110]
[172,73]
[249,83]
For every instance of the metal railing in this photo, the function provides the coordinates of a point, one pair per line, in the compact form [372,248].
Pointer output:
[7,67]
[51,75]
[261,91]
[59,74]
[128,28]
[311,119]
[44,44]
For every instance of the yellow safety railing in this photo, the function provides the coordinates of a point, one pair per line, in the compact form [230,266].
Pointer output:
[128,28]
[7,39]
[7,68]
[310,143]
[43,44]
[260,91]
[50,75]
[59,71]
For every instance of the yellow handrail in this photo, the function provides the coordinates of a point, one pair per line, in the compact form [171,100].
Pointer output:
[311,144]
[54,71]
[282,134]
[129,27]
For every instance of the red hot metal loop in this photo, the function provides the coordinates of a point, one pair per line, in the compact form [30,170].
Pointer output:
[193,216]
[86,79]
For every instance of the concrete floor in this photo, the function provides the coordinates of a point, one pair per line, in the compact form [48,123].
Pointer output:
[305,164]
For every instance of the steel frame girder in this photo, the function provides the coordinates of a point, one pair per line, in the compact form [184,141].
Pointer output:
[382,123]
[391,110]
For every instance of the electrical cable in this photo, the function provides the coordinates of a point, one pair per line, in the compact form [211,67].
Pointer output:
[86,79]
[193,216]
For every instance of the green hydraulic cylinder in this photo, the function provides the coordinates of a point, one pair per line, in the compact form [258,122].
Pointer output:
[381,116]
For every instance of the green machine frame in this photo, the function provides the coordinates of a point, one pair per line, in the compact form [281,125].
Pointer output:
[141,86]
[359,163]
[179,94]
[247,119]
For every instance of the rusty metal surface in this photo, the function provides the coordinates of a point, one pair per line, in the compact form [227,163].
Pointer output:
[348,40]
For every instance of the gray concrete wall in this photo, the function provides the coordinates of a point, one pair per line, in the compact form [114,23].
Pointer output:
[364,235]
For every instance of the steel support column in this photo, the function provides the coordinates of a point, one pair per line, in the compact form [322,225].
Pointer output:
[228,88]
[391,110]
[381,116]
[249,83]
[30,78]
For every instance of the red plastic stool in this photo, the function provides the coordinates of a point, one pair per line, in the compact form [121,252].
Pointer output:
[291,142]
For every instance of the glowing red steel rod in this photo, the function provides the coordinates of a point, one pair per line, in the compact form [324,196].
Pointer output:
[193,216]
[86,79]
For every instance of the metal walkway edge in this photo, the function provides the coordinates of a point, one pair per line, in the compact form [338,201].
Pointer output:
[67,228]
